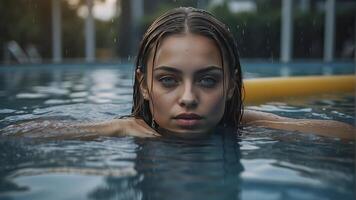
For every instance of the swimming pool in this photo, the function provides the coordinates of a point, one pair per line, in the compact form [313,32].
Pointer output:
[262,164]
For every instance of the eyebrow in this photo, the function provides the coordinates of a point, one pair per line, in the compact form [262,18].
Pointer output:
[201,71]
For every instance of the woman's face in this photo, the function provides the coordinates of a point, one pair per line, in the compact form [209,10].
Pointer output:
[185,86]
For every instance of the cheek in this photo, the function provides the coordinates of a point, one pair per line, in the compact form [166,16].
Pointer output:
[214,103]
[162,101]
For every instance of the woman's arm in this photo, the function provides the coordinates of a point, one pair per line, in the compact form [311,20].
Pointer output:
[329,128]
[64,130]
[119,127]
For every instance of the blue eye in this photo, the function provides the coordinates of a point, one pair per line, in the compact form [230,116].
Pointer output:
[168,81]
[207,82]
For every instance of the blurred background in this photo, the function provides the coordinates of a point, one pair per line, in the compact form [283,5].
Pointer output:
[60,31]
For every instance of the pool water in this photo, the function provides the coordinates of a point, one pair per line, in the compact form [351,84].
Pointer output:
[261,164]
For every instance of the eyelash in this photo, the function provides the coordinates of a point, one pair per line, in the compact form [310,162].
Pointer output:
[213,82]
[164,81]
[166,78]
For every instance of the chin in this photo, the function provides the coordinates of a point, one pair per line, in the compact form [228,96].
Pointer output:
[186,133]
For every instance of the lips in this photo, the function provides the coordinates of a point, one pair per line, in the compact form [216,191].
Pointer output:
[188,116]
[188,120]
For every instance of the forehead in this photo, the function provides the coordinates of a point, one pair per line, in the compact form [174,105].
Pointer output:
[188,50]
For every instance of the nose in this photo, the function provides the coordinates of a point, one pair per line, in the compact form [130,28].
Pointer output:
[188,98]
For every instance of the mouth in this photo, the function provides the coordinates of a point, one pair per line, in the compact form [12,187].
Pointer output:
[188,119]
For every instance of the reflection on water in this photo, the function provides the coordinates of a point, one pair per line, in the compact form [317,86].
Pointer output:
[262,164]
[180,169]
[121,168]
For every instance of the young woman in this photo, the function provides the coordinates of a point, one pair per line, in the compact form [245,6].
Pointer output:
[188,82]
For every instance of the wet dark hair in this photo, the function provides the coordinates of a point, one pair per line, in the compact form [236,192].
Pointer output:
[195,21]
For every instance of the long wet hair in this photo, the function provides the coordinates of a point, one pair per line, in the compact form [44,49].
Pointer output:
[195,21]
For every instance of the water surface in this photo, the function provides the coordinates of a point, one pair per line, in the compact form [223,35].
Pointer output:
[261,164]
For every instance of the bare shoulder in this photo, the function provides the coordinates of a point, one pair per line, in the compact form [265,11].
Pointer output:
[136,127]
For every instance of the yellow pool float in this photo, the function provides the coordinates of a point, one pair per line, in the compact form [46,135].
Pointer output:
[268,89]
